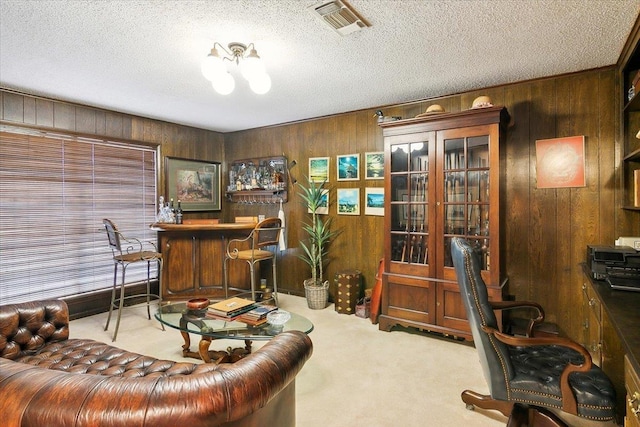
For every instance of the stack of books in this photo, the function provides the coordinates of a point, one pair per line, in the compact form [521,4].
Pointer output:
[229,309]
[257,315]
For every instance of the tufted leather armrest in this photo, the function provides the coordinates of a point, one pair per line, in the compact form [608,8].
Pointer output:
[27,327]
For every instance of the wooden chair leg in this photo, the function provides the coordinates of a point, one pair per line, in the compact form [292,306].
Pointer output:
[532,416]
[519,416]
[540,417]
[471,398]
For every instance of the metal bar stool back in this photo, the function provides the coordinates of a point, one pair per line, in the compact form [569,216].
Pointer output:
[126,251]
[265,234]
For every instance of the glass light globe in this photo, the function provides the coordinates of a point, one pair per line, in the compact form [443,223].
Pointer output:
[224,84]
[212,66]
[251,65]
[260,83]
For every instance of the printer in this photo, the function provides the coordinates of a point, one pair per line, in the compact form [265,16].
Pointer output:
[618,265]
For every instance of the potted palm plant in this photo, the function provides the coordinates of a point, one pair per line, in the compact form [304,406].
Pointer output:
[315,247]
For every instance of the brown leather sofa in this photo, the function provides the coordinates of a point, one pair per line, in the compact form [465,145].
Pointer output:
[47,379]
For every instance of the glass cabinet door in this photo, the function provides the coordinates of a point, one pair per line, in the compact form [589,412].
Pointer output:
[465,195]
[409,200]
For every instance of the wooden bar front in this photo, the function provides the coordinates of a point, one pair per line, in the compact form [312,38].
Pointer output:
[194,256]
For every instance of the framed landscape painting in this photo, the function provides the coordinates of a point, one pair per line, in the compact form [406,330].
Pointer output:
[374,201]
[348,201]
[319,169]
[374,165]
[348,167]
[195,183]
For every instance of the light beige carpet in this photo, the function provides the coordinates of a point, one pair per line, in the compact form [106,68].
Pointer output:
[357,375]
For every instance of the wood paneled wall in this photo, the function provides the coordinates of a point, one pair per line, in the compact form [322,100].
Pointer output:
[174,140]
[547,230]
[359,244]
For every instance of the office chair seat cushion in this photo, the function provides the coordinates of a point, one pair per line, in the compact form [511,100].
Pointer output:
[255,254]
[537,380]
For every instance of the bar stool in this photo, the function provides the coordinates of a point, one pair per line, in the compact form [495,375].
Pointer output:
[266,233]
[123,256]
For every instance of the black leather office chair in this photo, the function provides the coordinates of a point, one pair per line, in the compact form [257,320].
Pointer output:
[533,381]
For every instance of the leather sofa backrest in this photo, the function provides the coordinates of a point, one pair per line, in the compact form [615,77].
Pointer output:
[25,328]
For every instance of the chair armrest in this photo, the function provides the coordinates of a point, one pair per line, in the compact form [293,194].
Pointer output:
[130,244]
[133,245]
[232,246]
[569,403]
[151,243]
[509,305]
[27,327]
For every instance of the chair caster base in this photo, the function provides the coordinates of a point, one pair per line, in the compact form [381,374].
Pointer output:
[473,399]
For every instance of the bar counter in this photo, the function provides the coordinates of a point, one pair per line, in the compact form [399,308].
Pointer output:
[193,255]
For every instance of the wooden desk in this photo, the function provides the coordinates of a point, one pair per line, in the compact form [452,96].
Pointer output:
[618,331]
[193,258]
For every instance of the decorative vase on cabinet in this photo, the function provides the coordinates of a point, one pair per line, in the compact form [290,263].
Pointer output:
[442,179]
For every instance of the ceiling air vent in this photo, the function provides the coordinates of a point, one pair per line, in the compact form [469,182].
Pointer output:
[341,16]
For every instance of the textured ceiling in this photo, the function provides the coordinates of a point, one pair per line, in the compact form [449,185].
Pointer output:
[143,57]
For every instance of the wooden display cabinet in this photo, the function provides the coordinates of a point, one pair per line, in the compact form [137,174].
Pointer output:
[630,78]
[631,159]
[442,179]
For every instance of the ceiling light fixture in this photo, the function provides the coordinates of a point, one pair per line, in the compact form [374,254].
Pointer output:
[246,57]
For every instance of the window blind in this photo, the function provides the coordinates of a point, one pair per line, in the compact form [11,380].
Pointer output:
[54,192]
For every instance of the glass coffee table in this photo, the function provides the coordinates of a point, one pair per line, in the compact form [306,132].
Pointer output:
[187,321]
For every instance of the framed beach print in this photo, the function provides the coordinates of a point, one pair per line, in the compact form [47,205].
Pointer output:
[348,167]
[374,201]
[323,209]
[319,169]
[195,183]
[348,201]
[374,165]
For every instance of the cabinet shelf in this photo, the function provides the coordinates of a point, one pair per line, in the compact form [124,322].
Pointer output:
[630,187]
[634,156]
[633,104]
[631,182]
[257,196]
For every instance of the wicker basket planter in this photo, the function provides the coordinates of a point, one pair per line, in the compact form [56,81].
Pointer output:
[317,295]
